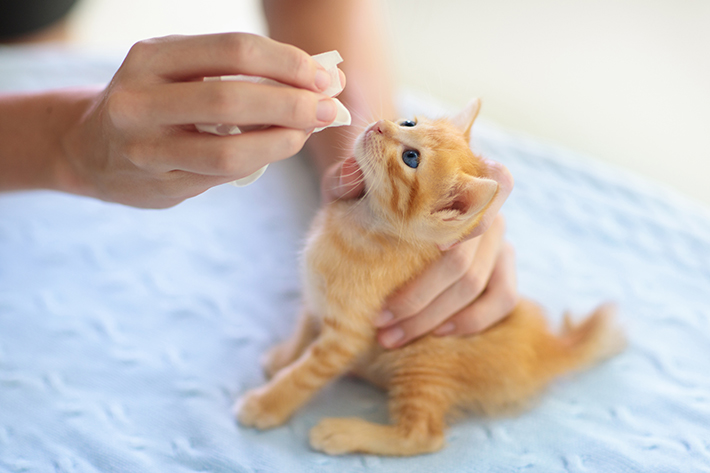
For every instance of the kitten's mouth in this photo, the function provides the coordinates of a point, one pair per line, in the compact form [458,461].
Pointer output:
[367,147]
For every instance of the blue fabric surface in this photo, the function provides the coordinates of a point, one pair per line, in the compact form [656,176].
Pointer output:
[126,334]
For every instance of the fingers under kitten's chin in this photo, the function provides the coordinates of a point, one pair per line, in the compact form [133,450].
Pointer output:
[499,173]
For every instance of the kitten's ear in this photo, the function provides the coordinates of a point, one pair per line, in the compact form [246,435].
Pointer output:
[465,200]
[465,118]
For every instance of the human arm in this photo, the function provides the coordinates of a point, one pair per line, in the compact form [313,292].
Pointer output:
[134,141]
[352,27]
[470,288]
[473,285]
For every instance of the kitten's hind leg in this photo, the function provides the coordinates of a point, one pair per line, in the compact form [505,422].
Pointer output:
[337,436]
[418,429]
[289,350]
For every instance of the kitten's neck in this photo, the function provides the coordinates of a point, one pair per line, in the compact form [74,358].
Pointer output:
[376,262]
[360,227]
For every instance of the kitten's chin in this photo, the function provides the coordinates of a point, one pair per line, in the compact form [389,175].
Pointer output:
[352,179]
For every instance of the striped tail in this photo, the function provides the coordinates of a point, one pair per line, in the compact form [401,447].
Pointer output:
[594,339]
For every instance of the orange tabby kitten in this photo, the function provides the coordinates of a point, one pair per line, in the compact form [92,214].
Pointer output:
[425,189]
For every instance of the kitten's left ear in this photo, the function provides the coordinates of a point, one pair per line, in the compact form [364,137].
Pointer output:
[465,118]
[466,199]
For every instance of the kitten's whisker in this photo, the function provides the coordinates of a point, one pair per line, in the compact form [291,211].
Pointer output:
[371,113]
[361,121]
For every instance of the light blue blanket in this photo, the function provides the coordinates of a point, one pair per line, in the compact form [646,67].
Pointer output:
[126,335]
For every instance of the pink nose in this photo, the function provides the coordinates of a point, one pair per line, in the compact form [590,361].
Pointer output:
[379,127]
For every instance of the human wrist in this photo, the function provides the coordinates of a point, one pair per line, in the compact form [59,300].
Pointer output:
[70,172]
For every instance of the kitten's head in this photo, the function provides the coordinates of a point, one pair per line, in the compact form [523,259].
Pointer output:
[422,180]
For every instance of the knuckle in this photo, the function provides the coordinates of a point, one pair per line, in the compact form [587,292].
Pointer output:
[406,304]
[508,298]
[473,320]
[120,107]
[457,260]
[507,181]
[138,153]
[242,46]
[508,250]
[220,100]
[499,224]
[473,284]
[501,174]
[293,141]
[141,51]
[302,110]
[302,67]
[224,162]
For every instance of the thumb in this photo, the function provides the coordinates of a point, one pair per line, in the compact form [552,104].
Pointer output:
[343,180]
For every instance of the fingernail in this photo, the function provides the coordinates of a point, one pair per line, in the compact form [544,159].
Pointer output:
[445,329]
[322,79]
[384,318]
[326,111]
[389,338]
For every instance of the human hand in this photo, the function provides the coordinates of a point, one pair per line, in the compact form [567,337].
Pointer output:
[135,142]
[471,287]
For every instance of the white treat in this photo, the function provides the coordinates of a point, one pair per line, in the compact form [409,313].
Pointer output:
[329,61]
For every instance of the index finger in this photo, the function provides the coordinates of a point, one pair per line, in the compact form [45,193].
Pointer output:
[190,57]
[474,258]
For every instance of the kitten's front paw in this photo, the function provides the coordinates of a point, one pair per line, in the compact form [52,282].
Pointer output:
[335,436]
[254,409]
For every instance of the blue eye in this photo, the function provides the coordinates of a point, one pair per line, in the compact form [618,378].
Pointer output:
[411,158]
[408,123]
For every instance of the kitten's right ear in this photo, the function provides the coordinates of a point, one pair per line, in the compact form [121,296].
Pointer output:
[468,198]
[465,118]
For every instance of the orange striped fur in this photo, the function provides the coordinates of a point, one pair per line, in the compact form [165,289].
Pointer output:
[358,253]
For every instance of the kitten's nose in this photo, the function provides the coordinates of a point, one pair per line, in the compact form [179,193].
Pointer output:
[380,127]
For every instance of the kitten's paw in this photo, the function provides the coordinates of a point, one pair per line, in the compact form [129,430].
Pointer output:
[254,409]
[336,436]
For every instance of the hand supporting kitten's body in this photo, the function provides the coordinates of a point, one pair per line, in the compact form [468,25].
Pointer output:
[425,190]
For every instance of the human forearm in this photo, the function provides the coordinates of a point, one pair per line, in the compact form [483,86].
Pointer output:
[353,28]
[33,131]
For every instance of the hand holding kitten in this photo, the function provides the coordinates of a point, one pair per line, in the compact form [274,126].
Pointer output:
[425,188]
[470,288]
